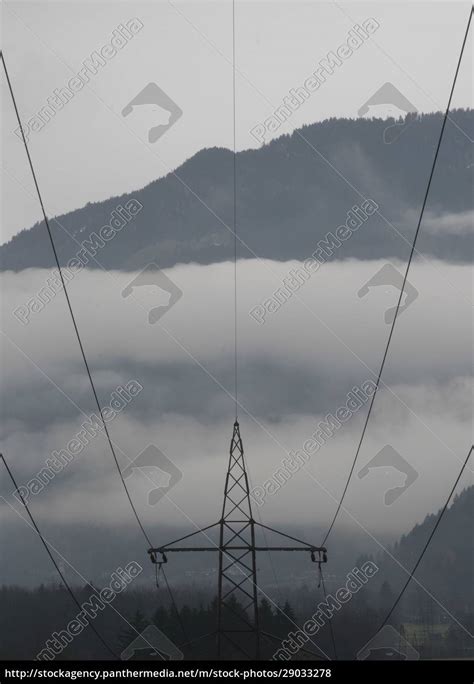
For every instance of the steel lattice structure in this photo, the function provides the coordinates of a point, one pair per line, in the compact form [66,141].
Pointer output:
[238,629]
[237,554]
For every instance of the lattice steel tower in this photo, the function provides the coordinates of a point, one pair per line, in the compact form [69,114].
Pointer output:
[237,553]
[238,630]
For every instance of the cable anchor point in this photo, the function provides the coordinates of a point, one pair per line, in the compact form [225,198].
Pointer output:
[321,559]
[157,563]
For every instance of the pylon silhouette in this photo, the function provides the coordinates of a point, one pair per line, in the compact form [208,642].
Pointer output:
[238,631]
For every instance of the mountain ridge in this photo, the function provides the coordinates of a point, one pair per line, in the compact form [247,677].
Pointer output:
[288,198]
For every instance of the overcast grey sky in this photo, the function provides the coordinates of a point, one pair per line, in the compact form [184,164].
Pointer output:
[88,151]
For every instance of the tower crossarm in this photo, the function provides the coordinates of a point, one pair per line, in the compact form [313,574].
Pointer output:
[319,551]
[307,549]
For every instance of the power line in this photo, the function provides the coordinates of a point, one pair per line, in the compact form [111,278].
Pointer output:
[440,517]
[234,207]
[175,607]
[58,569]
[73,318]
[333,639]
[384,358]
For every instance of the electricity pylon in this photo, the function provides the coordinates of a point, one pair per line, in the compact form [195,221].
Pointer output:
[237,596]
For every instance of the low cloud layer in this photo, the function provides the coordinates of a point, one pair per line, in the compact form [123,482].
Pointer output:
[460,224]
[296,368]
